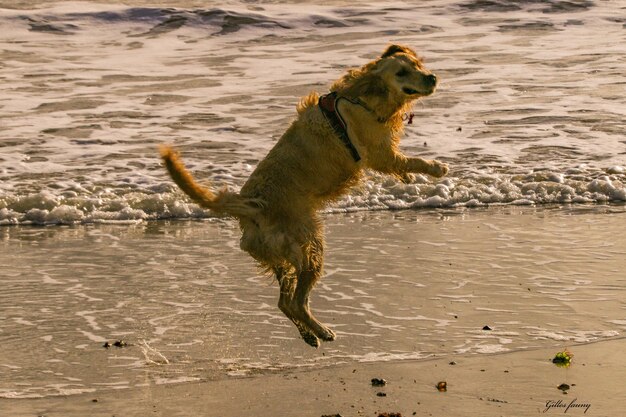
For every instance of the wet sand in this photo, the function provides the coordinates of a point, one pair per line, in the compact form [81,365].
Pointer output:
[512,384]
[407,292]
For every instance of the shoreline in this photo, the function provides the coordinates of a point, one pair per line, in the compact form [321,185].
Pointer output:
[201,215]
[523,383]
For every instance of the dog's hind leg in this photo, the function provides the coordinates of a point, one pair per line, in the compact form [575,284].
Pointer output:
[307,277]
[285,303]
[286,289]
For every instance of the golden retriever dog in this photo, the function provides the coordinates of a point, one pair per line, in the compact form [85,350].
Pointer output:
[321,155]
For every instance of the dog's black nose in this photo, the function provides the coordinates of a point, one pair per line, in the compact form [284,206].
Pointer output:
[431,80]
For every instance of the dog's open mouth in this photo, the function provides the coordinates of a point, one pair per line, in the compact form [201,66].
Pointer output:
[413,92]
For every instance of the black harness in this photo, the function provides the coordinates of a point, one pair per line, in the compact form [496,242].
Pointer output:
[328,106]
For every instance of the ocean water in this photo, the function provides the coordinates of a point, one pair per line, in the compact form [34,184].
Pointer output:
[531,108]
[530,111]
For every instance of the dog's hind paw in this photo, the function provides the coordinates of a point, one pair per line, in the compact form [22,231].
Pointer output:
[310,339]
[326,334]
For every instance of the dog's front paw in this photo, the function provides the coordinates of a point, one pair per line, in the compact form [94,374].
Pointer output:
[407,178]
[438,169]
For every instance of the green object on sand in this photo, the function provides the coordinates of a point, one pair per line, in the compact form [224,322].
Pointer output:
[563,359]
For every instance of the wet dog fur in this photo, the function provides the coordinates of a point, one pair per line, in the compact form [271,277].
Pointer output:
[309,167]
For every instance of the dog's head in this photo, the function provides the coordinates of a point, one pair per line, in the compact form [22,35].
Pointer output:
[390,83]
[404,74]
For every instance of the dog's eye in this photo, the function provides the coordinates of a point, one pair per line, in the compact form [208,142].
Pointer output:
[402,73]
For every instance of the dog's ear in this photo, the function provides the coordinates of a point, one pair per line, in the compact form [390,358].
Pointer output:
[370,84]
[394,49]
[376,87]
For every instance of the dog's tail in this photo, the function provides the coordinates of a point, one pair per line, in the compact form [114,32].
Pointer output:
[224,202]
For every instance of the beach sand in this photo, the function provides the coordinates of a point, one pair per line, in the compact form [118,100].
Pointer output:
[543,279]
[512,384]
